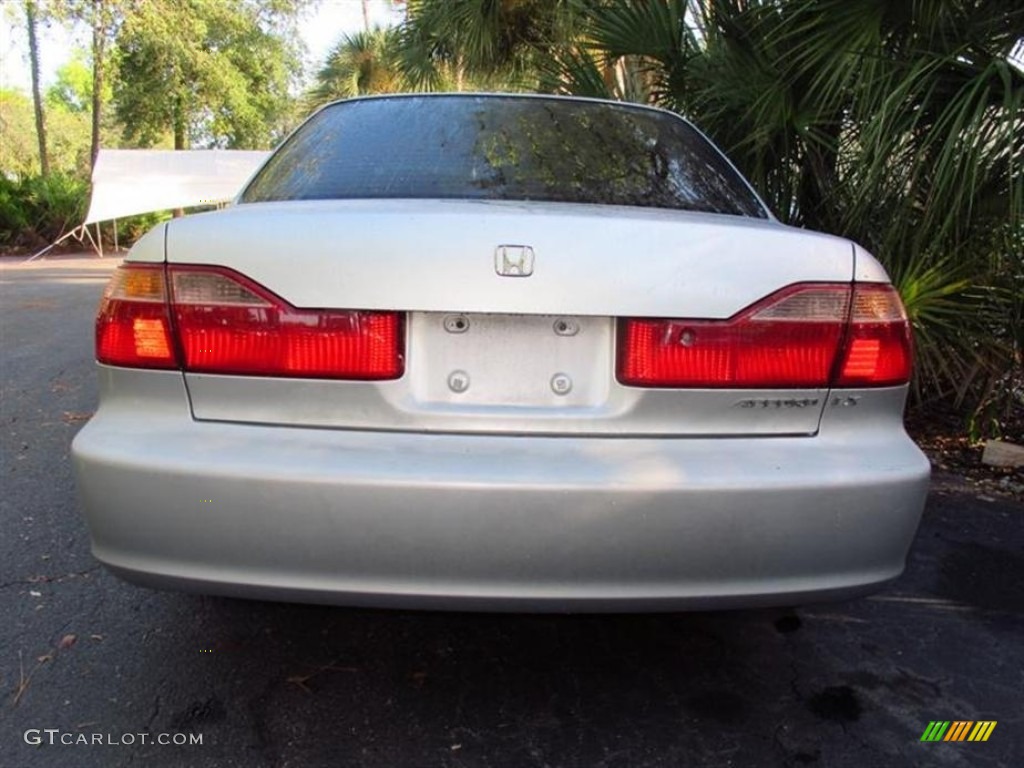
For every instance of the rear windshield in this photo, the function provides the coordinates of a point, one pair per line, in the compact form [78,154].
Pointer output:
[502,148]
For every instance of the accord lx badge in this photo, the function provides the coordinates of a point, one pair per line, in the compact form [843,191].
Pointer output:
[513,260]
[804,402]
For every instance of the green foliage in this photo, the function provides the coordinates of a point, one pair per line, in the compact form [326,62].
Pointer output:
[132,228]
[360,63]
[67,138]
[72,90]
[412,57]
[68,141]
[19,152]
[484,44]
[213,72]
[13,213]
[37,210]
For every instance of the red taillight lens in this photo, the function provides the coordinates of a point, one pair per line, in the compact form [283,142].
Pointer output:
[878,351]
[791,339]
[224,323]
[133,327]
[228,324]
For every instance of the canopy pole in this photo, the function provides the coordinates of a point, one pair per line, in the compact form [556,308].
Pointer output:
[88,233]
[54,244]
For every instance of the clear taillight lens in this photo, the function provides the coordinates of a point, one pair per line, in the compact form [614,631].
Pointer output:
[796,338]
[224,323]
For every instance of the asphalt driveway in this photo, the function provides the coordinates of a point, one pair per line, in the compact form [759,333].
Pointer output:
[83,655]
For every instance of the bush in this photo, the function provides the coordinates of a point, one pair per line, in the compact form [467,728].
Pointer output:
[13,214]
[36,210]
[58,202]
[132,228]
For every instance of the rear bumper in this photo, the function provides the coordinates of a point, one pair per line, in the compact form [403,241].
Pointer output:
[492,522]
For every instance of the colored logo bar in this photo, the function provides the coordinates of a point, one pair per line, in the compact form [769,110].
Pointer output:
[958,730]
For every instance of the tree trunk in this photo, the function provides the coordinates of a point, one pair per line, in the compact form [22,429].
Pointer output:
[366,15]
[180,137]
[33,55]
[179,133]
[99,44]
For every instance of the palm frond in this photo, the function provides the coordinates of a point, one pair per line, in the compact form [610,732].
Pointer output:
[360,63]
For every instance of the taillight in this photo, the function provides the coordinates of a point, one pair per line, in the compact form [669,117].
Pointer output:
[796,338]
[133,327]
[226,324]
[878,350]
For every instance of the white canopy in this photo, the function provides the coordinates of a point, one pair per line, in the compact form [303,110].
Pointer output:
[126,182]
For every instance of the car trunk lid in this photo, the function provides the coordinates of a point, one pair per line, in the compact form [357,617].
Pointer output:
[511,353]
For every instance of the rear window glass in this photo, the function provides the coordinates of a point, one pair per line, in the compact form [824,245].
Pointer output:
[502,148]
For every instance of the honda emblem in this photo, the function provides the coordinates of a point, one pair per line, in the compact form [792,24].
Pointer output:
[513,260]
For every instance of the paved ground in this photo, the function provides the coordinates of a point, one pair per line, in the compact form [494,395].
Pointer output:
[850,684]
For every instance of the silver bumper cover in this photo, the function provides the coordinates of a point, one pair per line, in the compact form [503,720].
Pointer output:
[496,522]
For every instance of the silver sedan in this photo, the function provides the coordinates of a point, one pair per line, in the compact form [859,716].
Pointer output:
[501,352]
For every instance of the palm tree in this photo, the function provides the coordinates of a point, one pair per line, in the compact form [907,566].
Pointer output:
[360,63]
[504,43]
